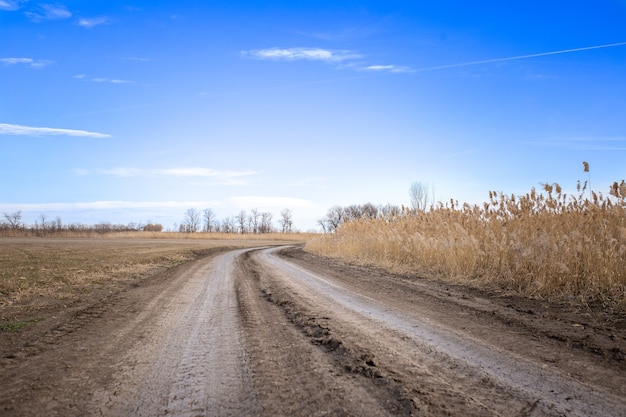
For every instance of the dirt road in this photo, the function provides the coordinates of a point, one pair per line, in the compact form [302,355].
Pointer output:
[280,332]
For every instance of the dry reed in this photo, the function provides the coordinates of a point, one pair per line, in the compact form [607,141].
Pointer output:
[543,244]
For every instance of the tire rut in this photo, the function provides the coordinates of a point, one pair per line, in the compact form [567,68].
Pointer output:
[467,375]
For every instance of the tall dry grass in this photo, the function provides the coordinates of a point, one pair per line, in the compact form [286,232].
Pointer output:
[543,244]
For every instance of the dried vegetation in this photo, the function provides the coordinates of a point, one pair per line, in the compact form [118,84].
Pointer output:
[37,274]
[545,244]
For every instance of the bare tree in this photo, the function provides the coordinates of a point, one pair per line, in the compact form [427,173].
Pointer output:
[228,225]
[191,223]
[351,212]
[241,221]
[266,222]
[420,196]
[254,220]
[389,211]
[57,224]
[44,225]
[334,217]
[322,223]
[286,221]
[209,218]
[14,220]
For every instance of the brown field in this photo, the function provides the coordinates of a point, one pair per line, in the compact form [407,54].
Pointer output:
[39,276]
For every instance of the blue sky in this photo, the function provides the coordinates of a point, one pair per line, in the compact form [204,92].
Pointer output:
[135,111]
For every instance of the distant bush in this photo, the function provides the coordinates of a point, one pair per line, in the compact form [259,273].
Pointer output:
[150,227]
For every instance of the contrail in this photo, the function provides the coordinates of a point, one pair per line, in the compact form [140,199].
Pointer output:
[512,58]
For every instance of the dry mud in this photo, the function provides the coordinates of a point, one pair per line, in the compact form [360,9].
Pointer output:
[272,332]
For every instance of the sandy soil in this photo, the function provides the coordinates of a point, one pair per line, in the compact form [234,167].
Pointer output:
[280,332]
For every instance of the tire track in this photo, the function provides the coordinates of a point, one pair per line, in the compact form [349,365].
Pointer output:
[497,373]
[195,363]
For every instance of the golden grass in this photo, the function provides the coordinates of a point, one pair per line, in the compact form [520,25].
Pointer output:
[548,244]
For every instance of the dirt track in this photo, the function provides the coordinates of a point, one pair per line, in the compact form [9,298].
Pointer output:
[254,333]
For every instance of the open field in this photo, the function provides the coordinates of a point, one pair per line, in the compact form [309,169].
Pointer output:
[43,277]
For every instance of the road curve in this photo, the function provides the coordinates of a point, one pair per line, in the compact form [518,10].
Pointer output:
[505,377]
[252,332]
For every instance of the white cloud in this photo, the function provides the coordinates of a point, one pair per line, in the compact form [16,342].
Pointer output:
[49,12]
[90,23]
[175,172]
[10,5]
[18,130]
[24,61]
[294,54]
[388,68]
[270,202]
[102,79]
[583,143]
[136,58]
[110,80]
[103,205]
[342,58]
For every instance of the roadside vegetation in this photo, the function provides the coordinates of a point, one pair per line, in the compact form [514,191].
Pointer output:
[545,244]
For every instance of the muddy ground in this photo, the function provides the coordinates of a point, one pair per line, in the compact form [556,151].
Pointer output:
[281,332]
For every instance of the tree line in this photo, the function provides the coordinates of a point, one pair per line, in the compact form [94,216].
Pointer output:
[337,215]
[422,197]
[45,225]
[194,221]
[243,222]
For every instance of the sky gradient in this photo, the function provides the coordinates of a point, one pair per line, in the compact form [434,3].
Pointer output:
[135,111]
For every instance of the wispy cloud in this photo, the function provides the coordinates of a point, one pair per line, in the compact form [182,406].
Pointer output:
[139,59]
[49,12]
[341,58]
[104,205]
[583,143]
[270,202]
[18,130]
[349,59]
[295,54]
[388,68]
[10,5]
[91,22]
[111,81]
[514,58]
[102,79]
[174,172]
[25,61]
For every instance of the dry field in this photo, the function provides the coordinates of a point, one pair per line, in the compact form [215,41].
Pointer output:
[546,245]
[39,277]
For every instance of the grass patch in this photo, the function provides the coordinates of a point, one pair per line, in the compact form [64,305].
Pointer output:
[16,326]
